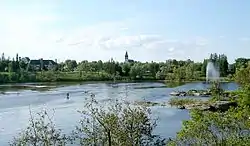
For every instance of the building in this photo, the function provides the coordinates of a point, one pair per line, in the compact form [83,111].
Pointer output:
[41,64]
[127,60]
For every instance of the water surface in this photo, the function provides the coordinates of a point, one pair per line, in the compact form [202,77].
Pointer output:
[15,104]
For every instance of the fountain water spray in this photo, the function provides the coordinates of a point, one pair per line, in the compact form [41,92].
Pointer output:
[212,72]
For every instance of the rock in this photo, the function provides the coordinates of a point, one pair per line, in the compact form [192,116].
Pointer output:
[223,105]
[217,106]
[174,93]
[182,94]
[196,94]
[181,107]
[198,106]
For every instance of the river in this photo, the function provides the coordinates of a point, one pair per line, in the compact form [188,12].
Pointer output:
[15,104]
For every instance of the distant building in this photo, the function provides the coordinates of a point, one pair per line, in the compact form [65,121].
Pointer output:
[127,60]
[41,64]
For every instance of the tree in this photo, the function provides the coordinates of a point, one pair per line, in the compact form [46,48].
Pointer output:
[126,69]
[223,65]
[99,65]
[242,75]
[241,63]
[71,64]
[137,71]
[215,128]
[190,72]
[40,131]
[204,67]
[120,124]
[179,74]
[153,68]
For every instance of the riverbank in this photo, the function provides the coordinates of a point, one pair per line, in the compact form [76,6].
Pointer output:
[56,76]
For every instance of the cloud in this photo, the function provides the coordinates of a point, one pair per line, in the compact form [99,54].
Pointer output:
[29,35]
[143,46]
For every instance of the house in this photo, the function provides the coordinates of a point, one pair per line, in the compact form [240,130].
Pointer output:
[41,64]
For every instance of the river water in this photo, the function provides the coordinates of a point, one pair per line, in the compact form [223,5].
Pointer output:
[15,105]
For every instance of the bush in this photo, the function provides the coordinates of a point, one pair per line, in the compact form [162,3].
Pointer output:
[119,125]
[41,131]
[214,128]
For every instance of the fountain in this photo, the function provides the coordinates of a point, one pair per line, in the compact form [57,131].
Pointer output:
[212,73]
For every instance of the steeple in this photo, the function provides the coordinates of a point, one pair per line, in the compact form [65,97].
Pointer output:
[126,56]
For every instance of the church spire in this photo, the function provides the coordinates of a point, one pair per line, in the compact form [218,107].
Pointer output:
[126,54]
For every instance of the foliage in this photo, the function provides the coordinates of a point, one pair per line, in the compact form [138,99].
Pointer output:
[214,128]
[171,70]
[70,65]
[120,124]
[242,75]
[216,90]
[41,131]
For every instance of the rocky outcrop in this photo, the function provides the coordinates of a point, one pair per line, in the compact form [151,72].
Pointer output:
[216,106]
[203,93]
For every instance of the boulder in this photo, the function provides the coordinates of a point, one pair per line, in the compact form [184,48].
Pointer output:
[182,94]
[175,93]
[223,105]
[196,94]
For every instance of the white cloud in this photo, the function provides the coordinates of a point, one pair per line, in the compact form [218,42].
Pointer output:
[28,35]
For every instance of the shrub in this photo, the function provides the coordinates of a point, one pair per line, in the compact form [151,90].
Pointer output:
[41,131]
[214,128]
[119,125]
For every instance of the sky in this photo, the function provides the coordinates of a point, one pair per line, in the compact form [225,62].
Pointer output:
[149,30]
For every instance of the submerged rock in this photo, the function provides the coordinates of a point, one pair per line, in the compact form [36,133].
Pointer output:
[203,93]
[217,106]
[175,93]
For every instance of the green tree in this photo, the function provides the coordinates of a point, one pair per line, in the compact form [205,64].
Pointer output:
[137,71]
[179,74]
[215,128]
[241,63]
[119,125]
[126,69]
[190,71]
[242,75]
[71,64]
[204,67]
[40,131]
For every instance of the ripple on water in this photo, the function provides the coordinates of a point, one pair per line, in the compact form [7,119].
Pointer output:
[14,109]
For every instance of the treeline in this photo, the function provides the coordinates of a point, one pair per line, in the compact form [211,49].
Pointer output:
[17,70]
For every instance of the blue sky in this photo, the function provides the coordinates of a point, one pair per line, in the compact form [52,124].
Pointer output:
[148,30]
